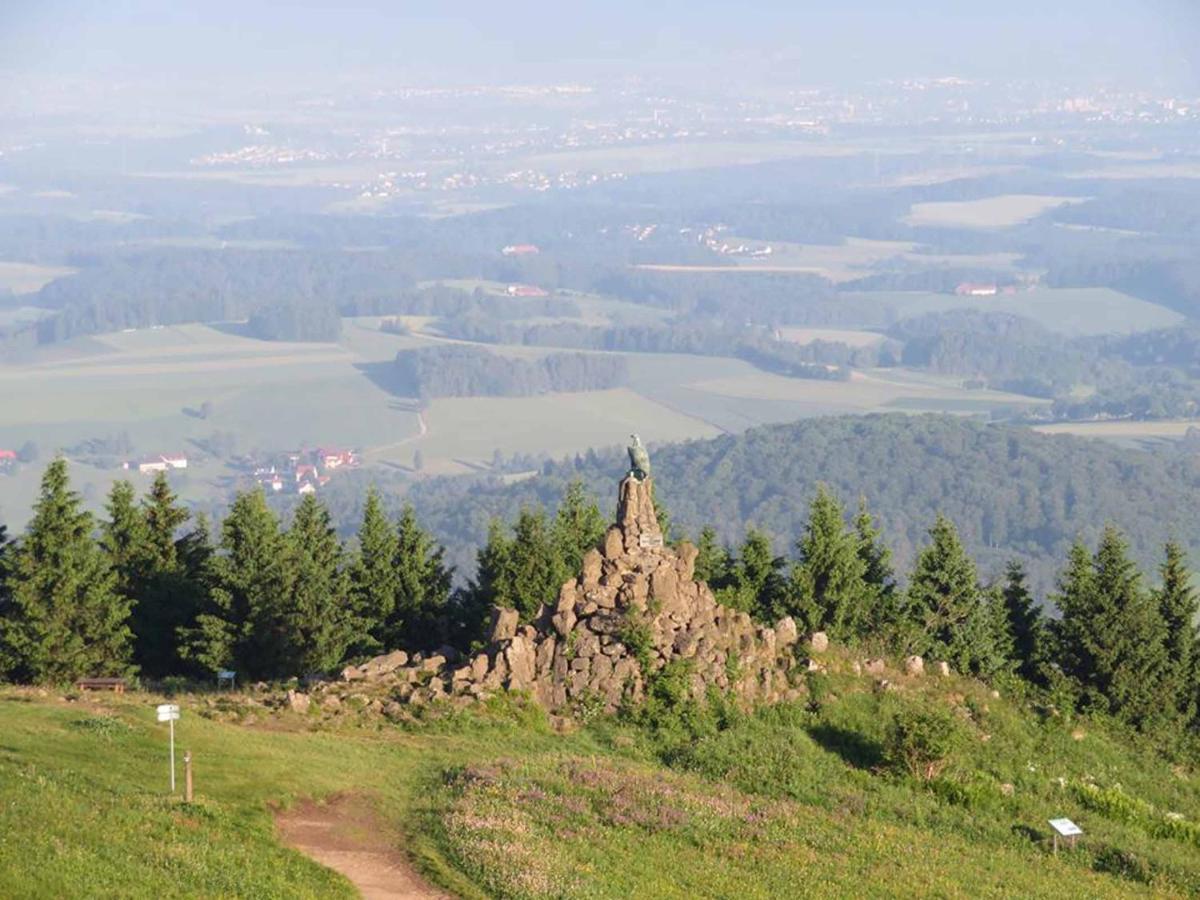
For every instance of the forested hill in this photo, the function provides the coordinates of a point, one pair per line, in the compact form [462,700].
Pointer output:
[1011,491]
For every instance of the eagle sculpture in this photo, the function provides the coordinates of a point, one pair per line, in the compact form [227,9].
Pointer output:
[639,459]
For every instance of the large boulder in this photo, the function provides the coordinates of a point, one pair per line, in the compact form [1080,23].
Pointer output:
[504,624]
[786,633]
[818,642]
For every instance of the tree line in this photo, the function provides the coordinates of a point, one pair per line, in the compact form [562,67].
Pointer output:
[148,588]
[455,370]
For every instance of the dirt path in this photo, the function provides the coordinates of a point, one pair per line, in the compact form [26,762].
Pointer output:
[344,834]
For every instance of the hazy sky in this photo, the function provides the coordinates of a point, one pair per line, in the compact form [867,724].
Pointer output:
[518,39]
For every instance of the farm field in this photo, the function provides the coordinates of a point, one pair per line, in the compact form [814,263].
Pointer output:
[990,212]
[147,387]
[1127,433]
[1071,311]
[29,278]
[851,259]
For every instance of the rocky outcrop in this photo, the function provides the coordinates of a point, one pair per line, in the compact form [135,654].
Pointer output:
[634,609]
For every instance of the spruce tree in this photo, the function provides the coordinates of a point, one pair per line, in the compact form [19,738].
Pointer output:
[241,626]
[493,585]
[65,617]
[578,526]
[828,580]
[712,560]
[1177,605]
[374,580]
[1110,636]
[945,598]
[125,539]
[883,612]
[756,583]
[1023,621]
[167,598]
[419,616]
[536,569]
[315,611]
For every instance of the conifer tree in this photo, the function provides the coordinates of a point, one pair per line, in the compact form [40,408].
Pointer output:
[1110,636]
[828,580]
[712,560]
[240,626]
[374,579]
[1177,605]
[945,597]
[125,539]
[419,616]
[494,584]
[756,583]
[883,613]
[578,526]
[315,611]
[1023,623]
[64,617]
[166,596]
[536,569]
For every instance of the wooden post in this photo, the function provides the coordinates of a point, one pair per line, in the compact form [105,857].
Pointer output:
[1055,834]
[187,776]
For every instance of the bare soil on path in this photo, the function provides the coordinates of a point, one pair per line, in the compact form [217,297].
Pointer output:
[345,835]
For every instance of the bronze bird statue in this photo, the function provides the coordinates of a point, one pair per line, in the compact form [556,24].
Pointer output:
[639,459]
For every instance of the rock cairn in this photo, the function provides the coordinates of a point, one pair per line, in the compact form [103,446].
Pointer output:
[635,608]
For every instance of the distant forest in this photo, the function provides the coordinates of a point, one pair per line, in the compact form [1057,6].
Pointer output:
[456,370]
[1013,493]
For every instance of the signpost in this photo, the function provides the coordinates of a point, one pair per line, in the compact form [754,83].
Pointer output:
[226,677]
[1065,828]
[169,712]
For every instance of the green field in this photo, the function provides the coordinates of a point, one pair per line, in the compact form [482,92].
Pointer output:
[792,801]
[989,212]
[271,396]
[28,278]
[1071,311]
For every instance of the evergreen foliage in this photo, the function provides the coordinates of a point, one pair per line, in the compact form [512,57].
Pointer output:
[423,587]
[1023,624]
[578,525]
[828,590]
[1110,637]
[64,616]
[945,597]
[314,614]
[374,580]
[1177,604]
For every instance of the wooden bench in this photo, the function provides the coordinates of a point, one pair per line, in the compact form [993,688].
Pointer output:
[116,685]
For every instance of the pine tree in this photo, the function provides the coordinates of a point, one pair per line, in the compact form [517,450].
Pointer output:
[713,562]
[828,580]
[537,570]
[419,617]
[241,626]
[1023,623]
[578,526]
[1177,604]
[494,584]
[945,597]
[166,596]
[883,611]
[1110,636]
[64,617]
[315,611]
[756,584]
[374,580]
[125,539]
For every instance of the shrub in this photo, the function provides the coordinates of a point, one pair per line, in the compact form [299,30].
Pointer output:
[920,742]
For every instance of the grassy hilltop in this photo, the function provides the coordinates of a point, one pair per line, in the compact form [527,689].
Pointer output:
[796,800]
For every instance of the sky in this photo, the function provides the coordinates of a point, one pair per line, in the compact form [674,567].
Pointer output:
[473,40]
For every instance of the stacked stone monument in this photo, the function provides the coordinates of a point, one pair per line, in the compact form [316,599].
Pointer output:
[635,607]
